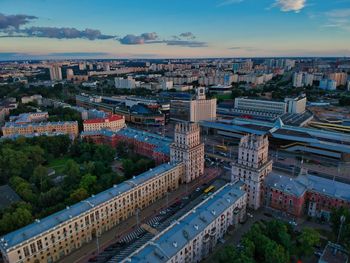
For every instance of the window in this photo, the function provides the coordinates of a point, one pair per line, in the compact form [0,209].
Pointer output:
[33,248]
[26,251]
[39,244]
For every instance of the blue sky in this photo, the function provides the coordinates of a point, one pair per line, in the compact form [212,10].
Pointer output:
[174,28]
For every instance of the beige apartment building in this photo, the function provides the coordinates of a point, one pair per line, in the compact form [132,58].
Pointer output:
[188,149]
[53,237]
[193,236]
[49,128]
[113,122]
[252,166]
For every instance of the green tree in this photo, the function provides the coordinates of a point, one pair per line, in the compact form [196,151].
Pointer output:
[307,240]
[40,178]
[88,182]
[78,195]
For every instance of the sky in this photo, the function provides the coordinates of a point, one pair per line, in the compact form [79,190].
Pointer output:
[173,28]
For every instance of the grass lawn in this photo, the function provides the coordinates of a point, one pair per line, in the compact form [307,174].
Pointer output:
[223,96]
[58,164]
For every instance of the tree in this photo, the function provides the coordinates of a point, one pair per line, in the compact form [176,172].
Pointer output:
[88,182]
[307,240]
[78,195]
[40,178]
[72,172]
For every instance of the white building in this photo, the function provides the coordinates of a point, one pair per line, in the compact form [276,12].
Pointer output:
[121,83]
[167,85]
[297,79]
[55,72]
[187,148]
[296,105]
[275,107]
[252,166]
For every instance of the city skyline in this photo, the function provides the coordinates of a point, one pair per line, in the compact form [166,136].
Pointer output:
[180,29]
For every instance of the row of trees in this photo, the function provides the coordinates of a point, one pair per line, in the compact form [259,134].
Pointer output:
[24,166]
[273,241]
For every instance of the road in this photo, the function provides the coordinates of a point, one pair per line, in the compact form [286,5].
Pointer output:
[112,235]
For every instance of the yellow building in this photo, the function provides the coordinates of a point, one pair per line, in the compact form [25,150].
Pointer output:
[53,237]
[67,127]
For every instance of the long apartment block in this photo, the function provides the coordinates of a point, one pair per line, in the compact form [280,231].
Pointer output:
[53,237]
[192,237]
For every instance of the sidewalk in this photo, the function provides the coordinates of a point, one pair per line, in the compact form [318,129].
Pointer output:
[109,237]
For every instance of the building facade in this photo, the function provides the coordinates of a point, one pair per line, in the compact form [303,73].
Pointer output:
[113,122]
[187,148]
[193,236]
[252,166]
[55,72]
[275,107]
[53,237]
[194,110]
[147,144]
[43,128]
[121,83]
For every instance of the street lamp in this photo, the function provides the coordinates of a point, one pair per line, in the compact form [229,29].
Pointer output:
[342,220]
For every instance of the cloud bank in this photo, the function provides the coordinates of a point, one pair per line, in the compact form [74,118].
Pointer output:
[290,5]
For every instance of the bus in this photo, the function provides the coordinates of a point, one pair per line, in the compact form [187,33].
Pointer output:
[221,147]
[209,189]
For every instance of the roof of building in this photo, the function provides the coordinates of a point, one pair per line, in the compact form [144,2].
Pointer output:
[167,243]
[162,144]
[297,186]
[39,124]
[112,117]
[334,253]
[7,196]
[26,117]
[315,137]
[48,223]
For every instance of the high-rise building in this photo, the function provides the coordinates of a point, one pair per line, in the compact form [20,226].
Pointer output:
[55,72]
[298,79]
[252,166]
[187,148]
[70,73]
[194,110]
[339,77]
[121,83]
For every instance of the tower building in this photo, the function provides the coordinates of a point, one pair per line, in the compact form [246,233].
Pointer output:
[252,166]
[187,148]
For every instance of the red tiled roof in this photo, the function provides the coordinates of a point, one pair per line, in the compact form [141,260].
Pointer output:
[112,117]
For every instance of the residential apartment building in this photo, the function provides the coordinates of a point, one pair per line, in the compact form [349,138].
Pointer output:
[188,149]
[55,72]
[43,128]
[193,236]
[113,122]
[53,237]
[121,83]
[252,166]
[339,77]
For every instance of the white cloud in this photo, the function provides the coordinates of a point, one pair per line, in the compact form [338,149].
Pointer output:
[338,18]
[290,5]
[229,2]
